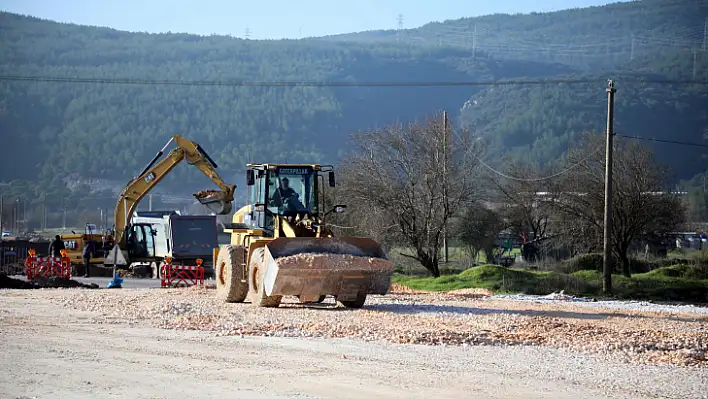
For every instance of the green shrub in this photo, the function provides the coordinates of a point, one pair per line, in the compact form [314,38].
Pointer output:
[674,283]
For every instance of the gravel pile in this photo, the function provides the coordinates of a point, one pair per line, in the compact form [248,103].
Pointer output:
[429,319]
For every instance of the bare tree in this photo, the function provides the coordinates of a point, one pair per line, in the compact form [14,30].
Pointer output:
[527,193]
[640,204]
[399,171]
[359,219]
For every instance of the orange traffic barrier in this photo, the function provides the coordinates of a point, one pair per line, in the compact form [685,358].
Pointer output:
[181,275]
[47,267]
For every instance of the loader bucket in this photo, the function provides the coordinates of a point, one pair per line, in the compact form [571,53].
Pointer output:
[310,267]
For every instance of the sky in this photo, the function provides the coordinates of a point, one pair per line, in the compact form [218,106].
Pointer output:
[273,19]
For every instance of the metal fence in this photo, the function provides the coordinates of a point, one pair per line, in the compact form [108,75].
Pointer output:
[14,252]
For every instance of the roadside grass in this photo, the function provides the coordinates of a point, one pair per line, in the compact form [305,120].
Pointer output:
[687,283]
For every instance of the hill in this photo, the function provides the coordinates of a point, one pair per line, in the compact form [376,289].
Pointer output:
[540,122]
[101,134]
[586,38]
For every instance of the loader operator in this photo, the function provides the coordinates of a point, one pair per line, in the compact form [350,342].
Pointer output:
[283,192]
[286,198]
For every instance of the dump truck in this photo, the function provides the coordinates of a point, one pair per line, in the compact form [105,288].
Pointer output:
[281,244]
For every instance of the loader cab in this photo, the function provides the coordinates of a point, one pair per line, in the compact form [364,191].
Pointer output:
[285,190]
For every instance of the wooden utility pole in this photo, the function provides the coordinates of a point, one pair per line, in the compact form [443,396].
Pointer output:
[607,239]
[445,205]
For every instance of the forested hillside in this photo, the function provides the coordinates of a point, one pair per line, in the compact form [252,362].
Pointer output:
[541,122]
[587,38]
[54,133]
[110,131]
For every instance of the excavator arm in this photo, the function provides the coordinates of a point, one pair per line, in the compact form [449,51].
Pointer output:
[217,201]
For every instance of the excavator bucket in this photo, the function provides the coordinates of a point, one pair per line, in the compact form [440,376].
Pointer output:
[344,267]
[215,201]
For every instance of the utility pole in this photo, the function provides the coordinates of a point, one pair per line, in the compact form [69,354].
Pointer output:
[607,239]
[631,52]
[474,41]
[17,217]
[64,218]
[445,205]
[400,27]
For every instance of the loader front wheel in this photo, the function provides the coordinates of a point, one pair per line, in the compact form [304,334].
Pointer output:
[255,269]
[355,304]
[229,274]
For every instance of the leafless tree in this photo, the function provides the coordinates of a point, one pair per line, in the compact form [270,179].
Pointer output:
[640,203]
[409,174]
[527,195]
[359,220]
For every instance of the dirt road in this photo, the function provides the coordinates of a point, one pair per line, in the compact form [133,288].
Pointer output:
[51,350]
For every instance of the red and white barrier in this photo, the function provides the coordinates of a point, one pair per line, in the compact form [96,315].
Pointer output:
[47,267]
[181,275]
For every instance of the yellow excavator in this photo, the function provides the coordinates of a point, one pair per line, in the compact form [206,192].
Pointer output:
[282,246]
[136,241]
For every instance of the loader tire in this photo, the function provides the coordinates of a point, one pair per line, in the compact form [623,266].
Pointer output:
[255,280]
[229,273]
[355,304]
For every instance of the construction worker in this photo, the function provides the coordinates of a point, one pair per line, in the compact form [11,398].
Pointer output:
[56,246]
[89,249]
[107,245]
[283,192]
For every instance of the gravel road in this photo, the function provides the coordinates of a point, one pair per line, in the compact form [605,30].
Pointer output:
[142,343]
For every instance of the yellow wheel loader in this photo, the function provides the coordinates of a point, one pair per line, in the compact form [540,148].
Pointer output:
[281,245]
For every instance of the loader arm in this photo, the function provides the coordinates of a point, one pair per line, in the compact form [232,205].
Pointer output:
[155,171]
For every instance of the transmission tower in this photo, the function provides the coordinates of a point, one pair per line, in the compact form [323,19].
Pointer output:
[400,27]
[247,35]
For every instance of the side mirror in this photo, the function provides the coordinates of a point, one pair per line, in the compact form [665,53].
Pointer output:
[259,207]
[331,179]
[336,209]
[250,177]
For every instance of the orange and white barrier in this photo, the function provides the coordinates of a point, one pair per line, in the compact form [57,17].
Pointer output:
[181,275]
[47,267]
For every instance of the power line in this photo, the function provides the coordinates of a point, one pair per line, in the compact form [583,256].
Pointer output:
[528,180]
[538,179]
[334,84]
[664,141]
